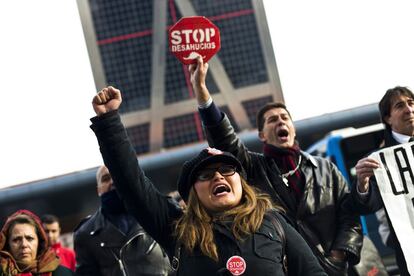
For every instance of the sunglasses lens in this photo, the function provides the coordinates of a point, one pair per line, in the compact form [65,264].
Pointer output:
[208,173]
[227,170]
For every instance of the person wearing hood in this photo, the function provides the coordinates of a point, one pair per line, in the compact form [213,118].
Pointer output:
[225,228]
[25,250]
[311,189]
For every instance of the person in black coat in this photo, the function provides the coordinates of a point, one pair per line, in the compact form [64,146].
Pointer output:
[397,114]
[112,243]
[311,189]
[226,227]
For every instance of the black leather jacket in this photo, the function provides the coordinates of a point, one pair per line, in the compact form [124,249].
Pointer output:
[319,218]
[157,214]
[101,249]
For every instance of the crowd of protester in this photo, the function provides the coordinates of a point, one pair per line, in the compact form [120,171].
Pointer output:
[235,212]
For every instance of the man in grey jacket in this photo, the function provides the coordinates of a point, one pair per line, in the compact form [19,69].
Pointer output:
[111,242]
[311,189]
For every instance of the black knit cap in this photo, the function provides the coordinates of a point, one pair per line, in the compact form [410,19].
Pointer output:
[205,157]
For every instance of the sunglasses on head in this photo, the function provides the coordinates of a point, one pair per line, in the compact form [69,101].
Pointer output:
[208,173]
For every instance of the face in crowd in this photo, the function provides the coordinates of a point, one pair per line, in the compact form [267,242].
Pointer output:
[214,179]
[218,187]
[275,125]
[52,231]
[23,243]
[276,128]
[104,181]
[401,116]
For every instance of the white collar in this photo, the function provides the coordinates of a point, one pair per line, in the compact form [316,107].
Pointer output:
[400,138]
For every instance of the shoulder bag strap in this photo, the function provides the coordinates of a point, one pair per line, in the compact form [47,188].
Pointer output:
[281,232]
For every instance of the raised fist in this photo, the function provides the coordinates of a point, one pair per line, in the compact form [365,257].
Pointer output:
[106,100]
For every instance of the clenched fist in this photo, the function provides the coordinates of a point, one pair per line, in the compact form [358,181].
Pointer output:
[106,100]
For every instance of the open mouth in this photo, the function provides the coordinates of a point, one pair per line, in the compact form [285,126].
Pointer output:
[283,133]
[220,189]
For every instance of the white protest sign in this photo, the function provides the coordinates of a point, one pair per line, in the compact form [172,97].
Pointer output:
[395,180]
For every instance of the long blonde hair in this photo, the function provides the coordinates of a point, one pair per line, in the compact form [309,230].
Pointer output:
[195,228]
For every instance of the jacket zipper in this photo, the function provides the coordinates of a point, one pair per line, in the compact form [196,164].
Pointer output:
[121,263]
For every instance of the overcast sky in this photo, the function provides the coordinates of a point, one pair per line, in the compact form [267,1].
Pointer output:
[331,55]
[335,55]
[46,92]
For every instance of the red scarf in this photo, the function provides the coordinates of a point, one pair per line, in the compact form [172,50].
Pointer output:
[287,159]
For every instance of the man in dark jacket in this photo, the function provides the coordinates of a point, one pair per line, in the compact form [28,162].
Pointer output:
[111,242]
[311,189]
[397,113]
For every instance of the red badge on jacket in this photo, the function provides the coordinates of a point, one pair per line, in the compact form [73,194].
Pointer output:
[236,265]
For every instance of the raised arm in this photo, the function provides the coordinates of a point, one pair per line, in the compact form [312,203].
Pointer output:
[135,189]
[219,131]
[198,72]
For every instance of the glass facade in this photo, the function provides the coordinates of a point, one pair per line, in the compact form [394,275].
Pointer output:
[125,39]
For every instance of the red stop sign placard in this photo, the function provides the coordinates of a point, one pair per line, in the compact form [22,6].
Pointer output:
[193,36]
[236,265]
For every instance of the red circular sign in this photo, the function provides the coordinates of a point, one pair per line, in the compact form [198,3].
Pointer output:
[193,36]
[236,265]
